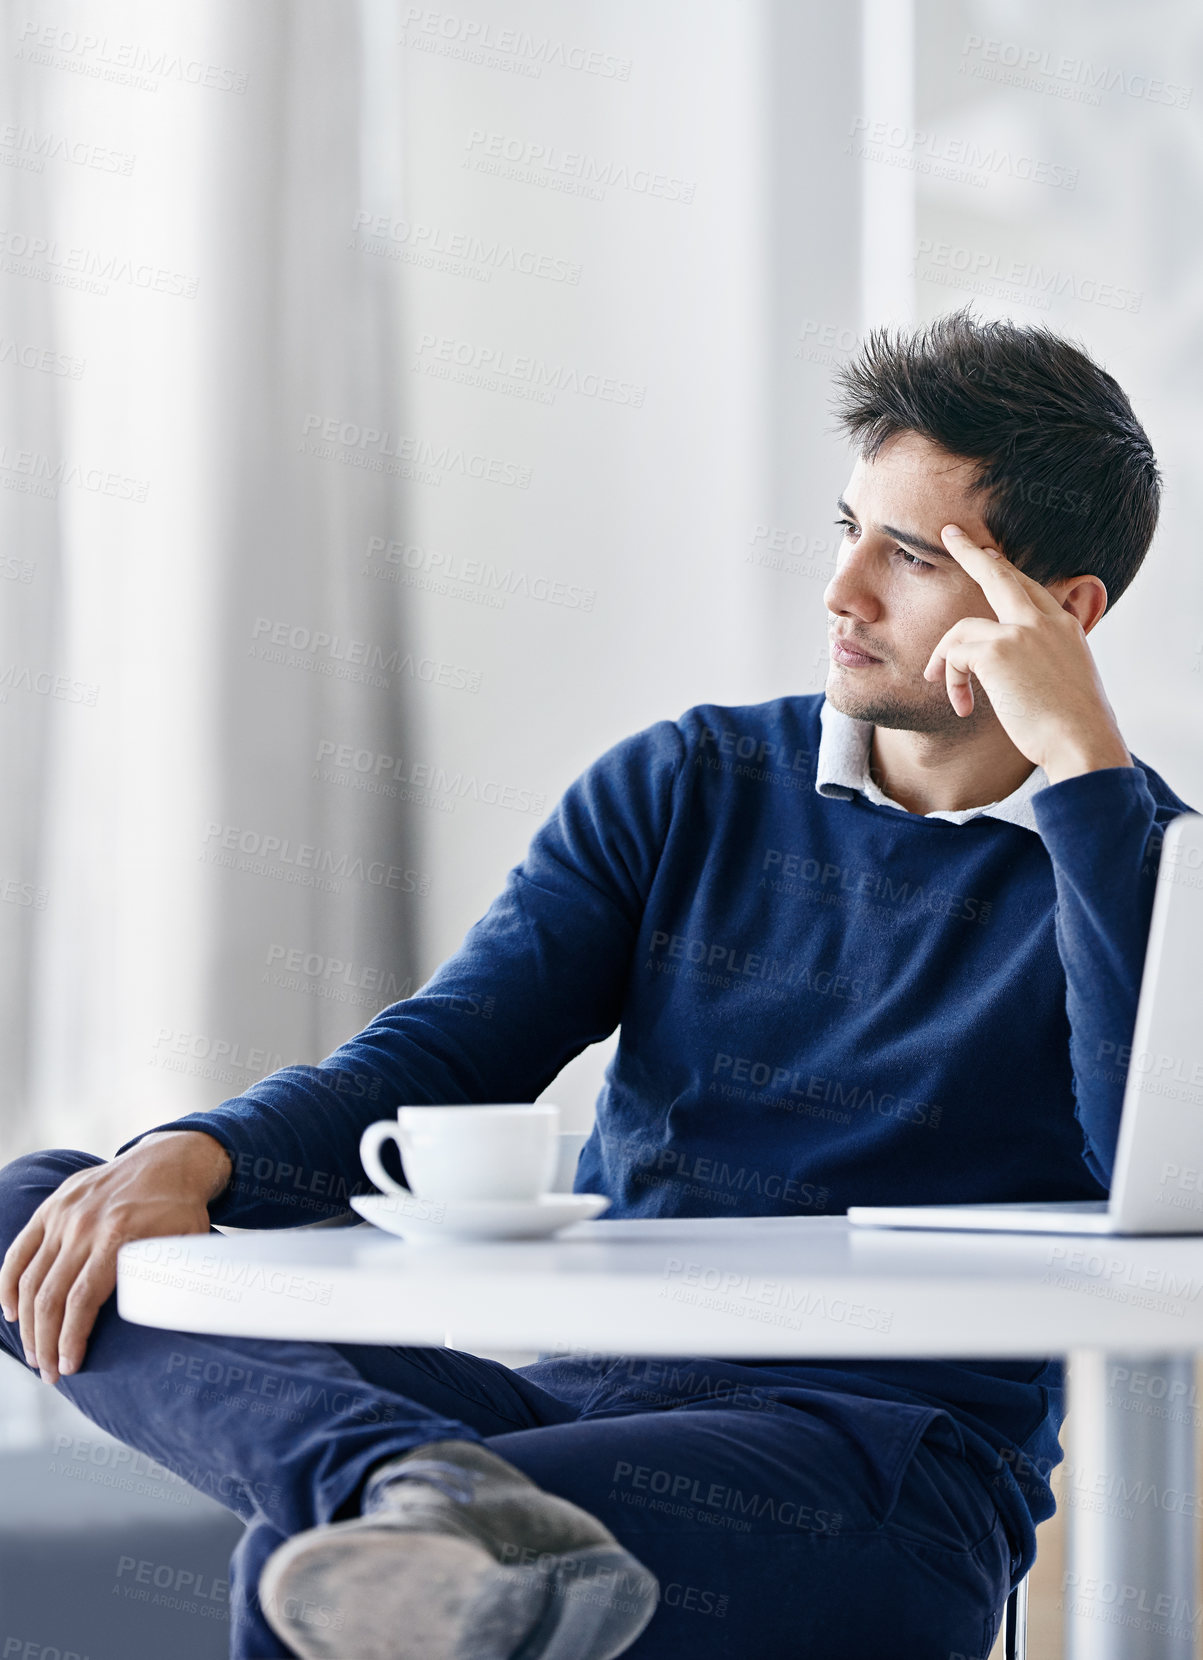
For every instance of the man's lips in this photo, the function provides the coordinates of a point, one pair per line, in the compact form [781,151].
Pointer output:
[843,651]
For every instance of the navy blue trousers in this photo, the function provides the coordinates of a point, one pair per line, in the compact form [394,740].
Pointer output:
[777,1524]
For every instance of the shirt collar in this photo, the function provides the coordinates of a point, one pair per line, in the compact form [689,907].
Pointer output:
[843,771]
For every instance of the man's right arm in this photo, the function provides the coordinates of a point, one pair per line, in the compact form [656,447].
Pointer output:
[538,978]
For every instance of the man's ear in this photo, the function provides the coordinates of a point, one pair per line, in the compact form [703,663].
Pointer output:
[1085,596]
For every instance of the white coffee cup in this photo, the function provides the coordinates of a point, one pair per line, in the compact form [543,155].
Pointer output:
[506,1151]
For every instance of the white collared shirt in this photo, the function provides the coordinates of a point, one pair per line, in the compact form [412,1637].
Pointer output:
[843,769]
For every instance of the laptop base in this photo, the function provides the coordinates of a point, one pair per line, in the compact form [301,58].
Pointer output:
[1085,1216]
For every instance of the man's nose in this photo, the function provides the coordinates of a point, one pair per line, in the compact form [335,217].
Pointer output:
[851,593]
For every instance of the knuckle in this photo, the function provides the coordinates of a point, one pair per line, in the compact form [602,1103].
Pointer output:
[107,1241]
[117,1220]
[19,1244]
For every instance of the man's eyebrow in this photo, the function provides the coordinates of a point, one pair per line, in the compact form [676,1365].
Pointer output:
[908,538]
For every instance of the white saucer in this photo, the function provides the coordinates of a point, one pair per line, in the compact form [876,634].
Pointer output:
[433,1219]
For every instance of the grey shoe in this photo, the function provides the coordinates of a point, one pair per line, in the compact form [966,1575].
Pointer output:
[456,1555]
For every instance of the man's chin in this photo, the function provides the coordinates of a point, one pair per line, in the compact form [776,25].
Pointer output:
[892,708]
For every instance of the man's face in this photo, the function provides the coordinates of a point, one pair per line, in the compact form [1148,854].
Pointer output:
[893,596]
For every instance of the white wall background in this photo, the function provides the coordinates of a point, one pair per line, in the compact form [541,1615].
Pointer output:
[1108,98]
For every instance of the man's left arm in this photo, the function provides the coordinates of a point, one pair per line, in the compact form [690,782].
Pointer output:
[1097,818]
[1103,831]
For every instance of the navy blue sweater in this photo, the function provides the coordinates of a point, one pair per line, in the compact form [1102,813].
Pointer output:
[821,1002]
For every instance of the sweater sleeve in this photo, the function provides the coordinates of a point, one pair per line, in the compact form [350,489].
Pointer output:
[1103,831]
[537,979]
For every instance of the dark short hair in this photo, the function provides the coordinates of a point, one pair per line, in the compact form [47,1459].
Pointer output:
[1071,484]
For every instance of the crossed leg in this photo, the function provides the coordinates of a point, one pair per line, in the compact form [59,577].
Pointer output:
[760,1525]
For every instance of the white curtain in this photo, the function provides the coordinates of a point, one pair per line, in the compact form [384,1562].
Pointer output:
[411,404]
[181,311]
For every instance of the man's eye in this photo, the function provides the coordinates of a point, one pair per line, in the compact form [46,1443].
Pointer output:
[912,562]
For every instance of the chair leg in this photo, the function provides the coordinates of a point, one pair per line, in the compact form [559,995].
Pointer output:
[1015,1640]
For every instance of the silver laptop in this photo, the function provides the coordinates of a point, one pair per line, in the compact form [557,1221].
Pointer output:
[1157,1183]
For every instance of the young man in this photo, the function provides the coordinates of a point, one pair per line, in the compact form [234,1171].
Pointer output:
[861,948]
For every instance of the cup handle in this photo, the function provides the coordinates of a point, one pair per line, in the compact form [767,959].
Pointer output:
[385,1129]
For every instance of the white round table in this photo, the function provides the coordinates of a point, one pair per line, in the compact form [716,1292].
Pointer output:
[784,1287]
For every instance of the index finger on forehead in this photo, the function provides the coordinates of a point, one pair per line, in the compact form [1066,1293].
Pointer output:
[1003,583]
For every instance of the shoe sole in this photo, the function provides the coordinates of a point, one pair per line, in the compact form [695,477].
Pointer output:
[342,1592]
